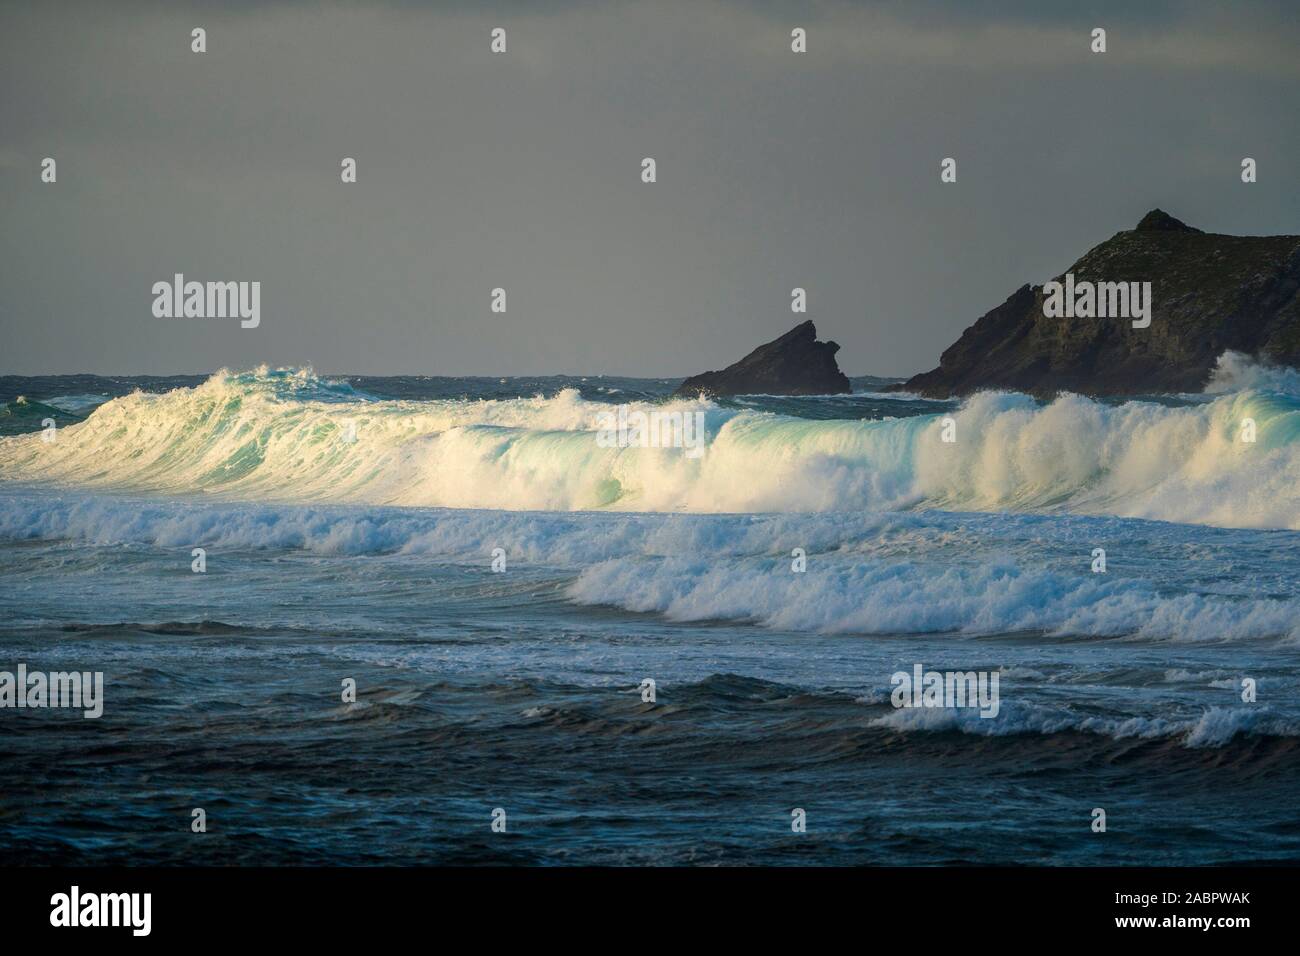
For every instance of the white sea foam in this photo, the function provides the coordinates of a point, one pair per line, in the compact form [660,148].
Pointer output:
[279,436]
[868,574]
[892,597]
[1215,727]
[1236,372]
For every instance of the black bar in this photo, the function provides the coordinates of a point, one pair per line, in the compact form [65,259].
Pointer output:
[334,905]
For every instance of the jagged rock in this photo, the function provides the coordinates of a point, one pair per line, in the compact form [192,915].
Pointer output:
[794,364]
[1209,293]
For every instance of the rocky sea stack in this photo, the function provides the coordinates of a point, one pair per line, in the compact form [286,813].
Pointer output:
[794,364]
[1208,293]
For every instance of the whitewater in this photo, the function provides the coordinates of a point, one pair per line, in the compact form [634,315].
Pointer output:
[991,534]
[352,528]
[290,435]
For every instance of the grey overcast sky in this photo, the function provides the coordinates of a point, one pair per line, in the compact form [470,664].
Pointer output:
[522,170]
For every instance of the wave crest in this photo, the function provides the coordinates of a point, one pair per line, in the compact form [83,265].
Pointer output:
[283,435]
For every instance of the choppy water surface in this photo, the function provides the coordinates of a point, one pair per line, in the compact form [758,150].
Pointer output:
[372,560]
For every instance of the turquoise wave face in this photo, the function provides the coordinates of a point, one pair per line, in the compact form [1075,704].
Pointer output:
[23,415]
[1230,458]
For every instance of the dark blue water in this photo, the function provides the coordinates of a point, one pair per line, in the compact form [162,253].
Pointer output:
[519,689]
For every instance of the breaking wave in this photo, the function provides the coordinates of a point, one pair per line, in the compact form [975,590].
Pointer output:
[885,574]
[283,435]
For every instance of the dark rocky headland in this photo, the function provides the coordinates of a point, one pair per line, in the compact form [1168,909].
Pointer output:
[1209,293]
[794,364]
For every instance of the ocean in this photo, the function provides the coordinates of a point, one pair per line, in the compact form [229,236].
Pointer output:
[501,587]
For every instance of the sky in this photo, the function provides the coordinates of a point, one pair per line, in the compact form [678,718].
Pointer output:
[522,170]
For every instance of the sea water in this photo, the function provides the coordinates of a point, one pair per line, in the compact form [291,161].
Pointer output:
[500,586]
